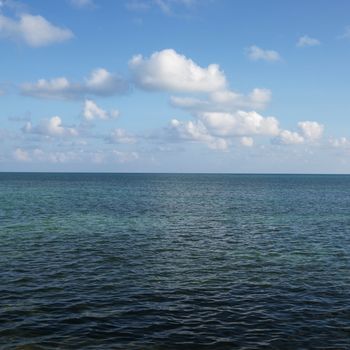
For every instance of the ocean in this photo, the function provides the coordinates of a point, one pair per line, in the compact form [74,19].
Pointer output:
[174,261]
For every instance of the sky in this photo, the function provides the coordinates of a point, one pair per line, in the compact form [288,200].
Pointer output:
[215,86]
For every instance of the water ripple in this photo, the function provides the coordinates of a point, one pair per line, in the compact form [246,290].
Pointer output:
[128,261]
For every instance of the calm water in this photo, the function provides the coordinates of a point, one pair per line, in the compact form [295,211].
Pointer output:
[136,261]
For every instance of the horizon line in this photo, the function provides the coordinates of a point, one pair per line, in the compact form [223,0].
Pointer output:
[167,173]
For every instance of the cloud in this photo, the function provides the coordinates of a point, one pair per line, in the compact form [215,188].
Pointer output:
[259,98]
[312,131]
[21,155]
[121,136]
[244,124]
[35,31]
[82,4]
[222,116]
[92,111]
[255,53]
[189,103]
[169,71]
[308,132]
[219,116]
[50,127]
[247,141]
[218,130]
[305,41]
[100,83]
[196,131]
[240,123]
[287,137]
[224,100]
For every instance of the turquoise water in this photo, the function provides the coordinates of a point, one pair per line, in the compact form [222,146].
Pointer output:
[137,261]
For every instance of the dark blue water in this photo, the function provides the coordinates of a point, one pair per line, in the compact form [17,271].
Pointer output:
[136,261]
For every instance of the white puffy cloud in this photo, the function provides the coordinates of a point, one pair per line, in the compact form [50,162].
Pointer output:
[100,83]
[196,131]
[287,137]
[218,115]
[121,136]
[240,123]
[256,53]
[308,132]
[311,130]
[305,41]
[218,129]
[170,71]
[34,31]
[222,114]
[92,111]
[50,127]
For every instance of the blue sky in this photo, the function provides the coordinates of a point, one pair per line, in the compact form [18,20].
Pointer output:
[175,86]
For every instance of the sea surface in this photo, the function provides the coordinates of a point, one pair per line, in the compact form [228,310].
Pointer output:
[168,261]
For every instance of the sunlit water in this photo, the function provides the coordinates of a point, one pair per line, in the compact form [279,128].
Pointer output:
[136,261]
